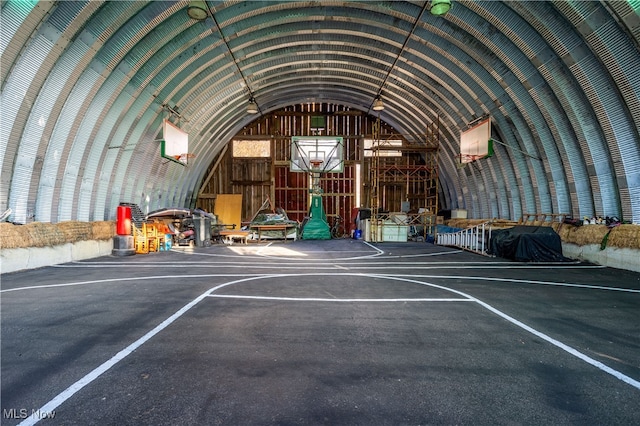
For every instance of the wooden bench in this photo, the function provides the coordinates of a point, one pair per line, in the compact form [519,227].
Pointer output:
[228,237]
[284,228]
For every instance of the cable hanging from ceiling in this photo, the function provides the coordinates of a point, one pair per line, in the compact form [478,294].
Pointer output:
[199,10]
[437,8]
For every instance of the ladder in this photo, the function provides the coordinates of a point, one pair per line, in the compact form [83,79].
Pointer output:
[474,239]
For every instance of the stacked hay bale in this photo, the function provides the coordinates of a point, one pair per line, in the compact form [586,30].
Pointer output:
[625,236]
[41,234]
[14,236]
[621,236]
[503,223]
[104,230]
[76,231]
[467,223]
[583,235]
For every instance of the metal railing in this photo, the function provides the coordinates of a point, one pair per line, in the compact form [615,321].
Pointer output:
[475,239]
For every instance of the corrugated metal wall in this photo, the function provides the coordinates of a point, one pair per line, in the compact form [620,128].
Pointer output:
[84,84]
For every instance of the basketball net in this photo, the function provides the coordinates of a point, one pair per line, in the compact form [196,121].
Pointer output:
[184,158]
[315,165]
[469,158]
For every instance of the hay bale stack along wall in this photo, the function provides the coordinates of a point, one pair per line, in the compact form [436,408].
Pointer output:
[40,244]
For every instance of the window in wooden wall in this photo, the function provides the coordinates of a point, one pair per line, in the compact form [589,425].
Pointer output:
[252,148]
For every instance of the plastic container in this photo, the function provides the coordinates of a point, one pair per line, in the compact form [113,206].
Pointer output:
[123,220]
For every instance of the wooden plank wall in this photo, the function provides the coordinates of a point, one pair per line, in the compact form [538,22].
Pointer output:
[259,179]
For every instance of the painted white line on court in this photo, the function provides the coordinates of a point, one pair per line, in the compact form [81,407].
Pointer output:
[320,299]
[258,254]
[377,253]
[361,265]
[615,373]
[557,343]
[183,277]
[115,280]
[97,372]
[442,253]
[305,261]
[515,280]
[94,374]
[108,280]
[380,252]
[297,261]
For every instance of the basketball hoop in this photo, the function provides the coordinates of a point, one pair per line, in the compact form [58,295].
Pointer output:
[315,164]
[469,158]
[184,158]
[317,154]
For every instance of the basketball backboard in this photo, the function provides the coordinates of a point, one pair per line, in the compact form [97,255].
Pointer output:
[175,143]
[319,154]
[475,142]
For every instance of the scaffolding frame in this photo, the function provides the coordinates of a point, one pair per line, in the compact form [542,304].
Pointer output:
[422,211]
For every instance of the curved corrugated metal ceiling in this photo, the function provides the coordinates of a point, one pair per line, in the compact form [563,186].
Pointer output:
[84,85]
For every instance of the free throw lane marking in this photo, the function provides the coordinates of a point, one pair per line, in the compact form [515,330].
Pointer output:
[50,406]
[97,372]
[320,299]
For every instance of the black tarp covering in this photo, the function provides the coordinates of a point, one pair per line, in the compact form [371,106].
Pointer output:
[527,244]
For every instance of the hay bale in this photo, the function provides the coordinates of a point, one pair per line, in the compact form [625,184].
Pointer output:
[573,236]
[103,230]
[584,235]
[467,223]
[45,234]
[503,223]
[564,230]
[591,234]
[41,234]
[76,231]
[625,236]
[14,236]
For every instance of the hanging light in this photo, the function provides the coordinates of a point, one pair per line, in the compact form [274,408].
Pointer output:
[440,7]
[252,108]
[197,10]
[377,104]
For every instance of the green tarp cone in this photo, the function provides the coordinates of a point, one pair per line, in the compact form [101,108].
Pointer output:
[317,227]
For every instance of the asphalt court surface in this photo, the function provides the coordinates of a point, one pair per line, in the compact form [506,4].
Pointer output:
[320,332]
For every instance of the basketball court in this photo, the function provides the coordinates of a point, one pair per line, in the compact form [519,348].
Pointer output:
[320,332]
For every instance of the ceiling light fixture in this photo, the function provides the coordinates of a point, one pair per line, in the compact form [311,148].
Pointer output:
[440,7]
[377,104]
[197,9]
[252,108]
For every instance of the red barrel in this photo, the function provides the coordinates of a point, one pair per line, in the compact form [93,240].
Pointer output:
[123,220]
